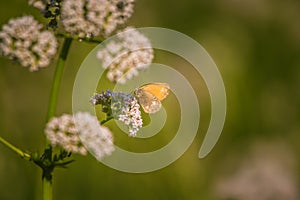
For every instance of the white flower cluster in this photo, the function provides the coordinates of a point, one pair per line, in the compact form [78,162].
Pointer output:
[23,40]
[80,133]
[88,18]
[126,109]
[96,138]
[124,56]
[131,116]
[61,131]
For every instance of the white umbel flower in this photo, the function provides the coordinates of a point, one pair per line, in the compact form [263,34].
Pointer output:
[61,131]
[80,133]
[88,18]
[96,138]
[23,40]
[121,106]
[126,109]
[126,55]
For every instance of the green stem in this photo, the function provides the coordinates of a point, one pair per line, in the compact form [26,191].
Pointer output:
[47,189]
[47,182]
[15,149]
[106,120]
[57,78]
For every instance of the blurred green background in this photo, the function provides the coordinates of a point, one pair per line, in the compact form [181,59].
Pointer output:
[255,44]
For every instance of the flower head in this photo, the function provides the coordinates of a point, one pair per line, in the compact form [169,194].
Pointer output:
[121,106]
[61,131]
[130,52]
[96,138]
[88,18]
[80,133]
[101,98]
[23,40]
[125,108]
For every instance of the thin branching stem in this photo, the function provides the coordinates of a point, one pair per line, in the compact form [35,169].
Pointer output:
[15,149]
[106,120]
[57,78]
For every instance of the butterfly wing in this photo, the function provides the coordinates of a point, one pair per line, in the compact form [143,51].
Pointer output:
[149,102]
[159,90]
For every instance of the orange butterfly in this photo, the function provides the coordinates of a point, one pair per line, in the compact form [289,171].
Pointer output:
[150,96]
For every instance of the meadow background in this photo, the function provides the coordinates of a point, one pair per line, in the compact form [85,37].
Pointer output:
[256,46]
